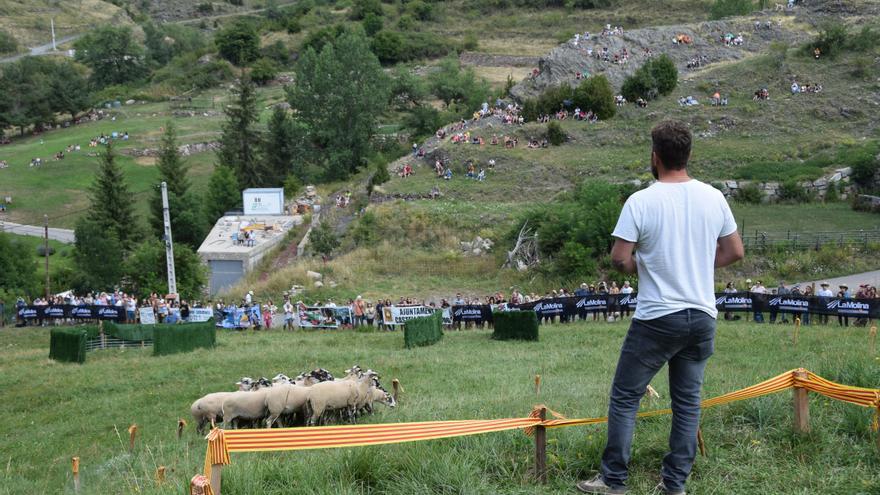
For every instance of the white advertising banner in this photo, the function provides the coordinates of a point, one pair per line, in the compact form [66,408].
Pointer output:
[200,315]
[263,201]
[398,315]
[148,317]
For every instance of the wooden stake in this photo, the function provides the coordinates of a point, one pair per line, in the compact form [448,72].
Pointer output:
[873,337]
[701,443]
[75,468]
[801,407]
[541,450]
[797,329]
[395,389]
[537,385]
[181,424]
[160,475]
[132,433]
[216,477]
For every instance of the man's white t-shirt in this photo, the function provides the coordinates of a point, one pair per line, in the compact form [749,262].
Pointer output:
[825,293]
[676,227]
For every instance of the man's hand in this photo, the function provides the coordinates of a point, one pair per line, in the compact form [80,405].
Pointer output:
[622,256]
[729,251]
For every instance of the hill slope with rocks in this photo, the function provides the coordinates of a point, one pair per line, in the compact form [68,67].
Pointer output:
[704,46]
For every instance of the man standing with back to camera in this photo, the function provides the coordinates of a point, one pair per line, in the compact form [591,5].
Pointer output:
[673,234]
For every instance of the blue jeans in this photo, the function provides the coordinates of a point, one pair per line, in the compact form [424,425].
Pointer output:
[685,340]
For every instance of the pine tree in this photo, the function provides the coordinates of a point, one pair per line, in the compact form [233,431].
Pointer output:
[187,221]
[111,201]
[223,193]
[239,144]
[283,148]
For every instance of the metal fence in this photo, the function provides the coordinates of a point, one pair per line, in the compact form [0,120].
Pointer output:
[114,343]
[861,239]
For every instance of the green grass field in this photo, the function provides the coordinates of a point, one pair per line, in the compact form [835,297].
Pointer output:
[55,411]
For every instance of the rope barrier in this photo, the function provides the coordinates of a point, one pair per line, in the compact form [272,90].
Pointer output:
[222,442]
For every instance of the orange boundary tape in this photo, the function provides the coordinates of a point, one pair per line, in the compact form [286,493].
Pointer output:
[222,442]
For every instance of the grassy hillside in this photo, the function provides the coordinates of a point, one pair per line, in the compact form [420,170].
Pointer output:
[751,445]
[29,20]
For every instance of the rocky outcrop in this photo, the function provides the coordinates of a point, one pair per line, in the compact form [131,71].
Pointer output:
[184,150]
[563,63]
[839,179]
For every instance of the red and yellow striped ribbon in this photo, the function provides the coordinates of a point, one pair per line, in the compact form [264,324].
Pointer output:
[221,442]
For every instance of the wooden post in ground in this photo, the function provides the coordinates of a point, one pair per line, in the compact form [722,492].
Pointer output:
[537,385]
[395,389]
[160,475]
[216,477]
[701,443]
[873,338]
[75,468]
[132,434]
[801,407]
[797,328]
[541,450]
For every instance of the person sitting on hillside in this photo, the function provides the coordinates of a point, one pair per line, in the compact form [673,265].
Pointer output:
[817,52]
[448,174]
[407,170]
[481,176]
[795,88]
[471,170]
[491,164]
[438,168]
[641,102]
[619,100]
[545,143]
[533,143]
[494,140]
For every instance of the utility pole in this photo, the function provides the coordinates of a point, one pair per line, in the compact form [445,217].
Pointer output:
[54,48]
[169,247]
[46,250]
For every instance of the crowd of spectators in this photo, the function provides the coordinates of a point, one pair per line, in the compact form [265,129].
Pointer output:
[865,291]
[168,309]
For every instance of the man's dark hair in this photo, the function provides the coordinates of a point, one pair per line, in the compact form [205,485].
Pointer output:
[672,143]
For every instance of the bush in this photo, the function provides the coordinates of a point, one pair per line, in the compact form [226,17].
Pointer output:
[832,40]
[729,8]
[664,73]
[263,71]
[515,325]
[8,43]
[372,24]
[363,8]
[171,339]
[555,134]
[389,47]
[791,191]
[421,10]
[656,77]
[638,85]
[423,331]
[470,42]
[68,345]
[596,94]
[750,193]
[238,43]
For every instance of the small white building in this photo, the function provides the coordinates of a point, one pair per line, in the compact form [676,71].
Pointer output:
[238,242]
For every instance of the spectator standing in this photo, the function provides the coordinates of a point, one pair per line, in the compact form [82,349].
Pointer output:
[843,293]
[674,234]
[288,314]
[369,314]
[758,288]
[359,308]
[824,294]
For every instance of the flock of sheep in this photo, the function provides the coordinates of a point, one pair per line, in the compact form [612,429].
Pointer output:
[312,398]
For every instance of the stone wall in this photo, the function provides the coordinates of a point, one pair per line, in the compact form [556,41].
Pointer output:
[818,188]
[184,150]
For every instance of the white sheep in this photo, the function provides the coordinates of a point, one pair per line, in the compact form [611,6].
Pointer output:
[208,409]
[342,395]
[284,400]
[240,406]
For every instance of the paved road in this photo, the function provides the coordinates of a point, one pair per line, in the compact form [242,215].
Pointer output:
[42,49]
[852,281]
[60,235]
